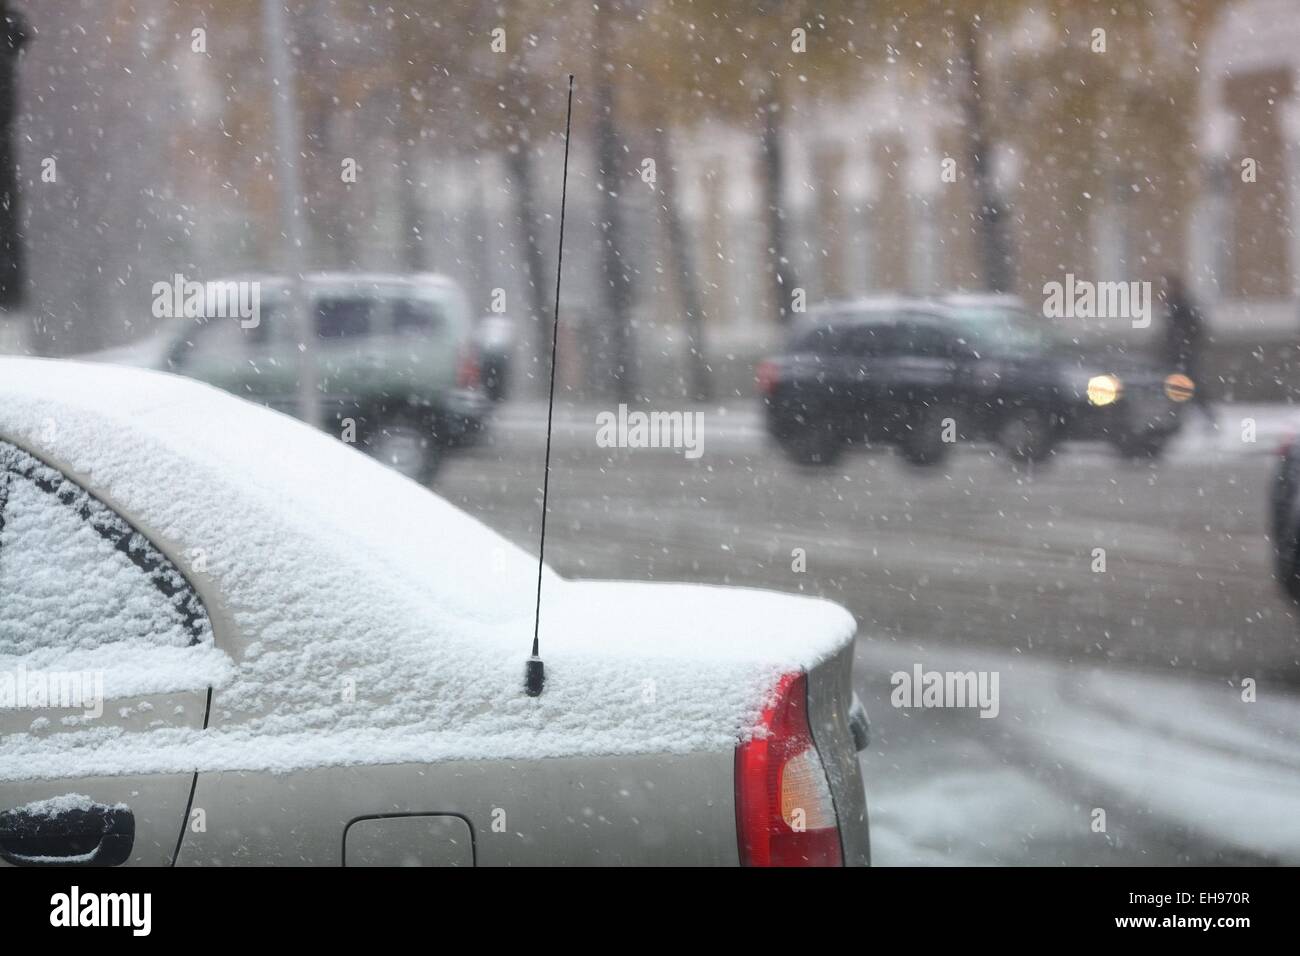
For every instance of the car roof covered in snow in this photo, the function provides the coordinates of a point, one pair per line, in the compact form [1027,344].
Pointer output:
[320,565]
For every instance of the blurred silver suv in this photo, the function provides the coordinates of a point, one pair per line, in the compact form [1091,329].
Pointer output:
[397,366]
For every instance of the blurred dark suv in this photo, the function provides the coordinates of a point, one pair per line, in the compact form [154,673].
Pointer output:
[923,374]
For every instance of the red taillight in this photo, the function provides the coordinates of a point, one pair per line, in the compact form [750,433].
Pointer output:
[1284,446]
[785,815]
[467,371]
[765,373]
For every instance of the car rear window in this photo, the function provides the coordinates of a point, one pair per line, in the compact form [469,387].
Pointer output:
[417,315]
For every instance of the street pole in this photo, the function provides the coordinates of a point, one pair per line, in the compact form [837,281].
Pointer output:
[287,139]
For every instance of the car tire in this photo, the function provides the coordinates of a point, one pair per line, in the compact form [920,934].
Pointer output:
[406,445]
[922,441]
[1027,435]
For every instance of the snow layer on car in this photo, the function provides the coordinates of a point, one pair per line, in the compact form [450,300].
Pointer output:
[63,803]
[379,623]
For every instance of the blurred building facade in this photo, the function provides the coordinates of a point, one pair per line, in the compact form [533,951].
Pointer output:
[872,212]
[163,167]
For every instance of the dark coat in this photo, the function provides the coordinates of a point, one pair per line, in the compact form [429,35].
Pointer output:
[1184,332]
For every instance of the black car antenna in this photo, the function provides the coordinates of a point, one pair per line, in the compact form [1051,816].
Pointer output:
[535,670]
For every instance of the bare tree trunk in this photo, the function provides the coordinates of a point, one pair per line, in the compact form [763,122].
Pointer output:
[412,115]
[13,273]
[330,243]
[618,281]
[781,269]
[993,242]
[479,255]
[413,249]
[699,384]
[534,260]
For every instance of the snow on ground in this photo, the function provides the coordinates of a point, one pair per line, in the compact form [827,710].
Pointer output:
[959,818]
[1153,751]
[1194,752]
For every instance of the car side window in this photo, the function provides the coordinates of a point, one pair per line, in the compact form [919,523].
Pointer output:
[343,317]
[74,575]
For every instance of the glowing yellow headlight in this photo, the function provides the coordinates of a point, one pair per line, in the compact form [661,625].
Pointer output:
[1104,389]
[1179,388]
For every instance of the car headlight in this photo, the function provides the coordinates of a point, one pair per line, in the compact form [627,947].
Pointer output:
[1178,387]
[1104,390]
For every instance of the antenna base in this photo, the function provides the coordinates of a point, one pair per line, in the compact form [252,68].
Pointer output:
[534,676]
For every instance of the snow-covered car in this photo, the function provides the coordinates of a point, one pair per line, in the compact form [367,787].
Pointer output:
[226,638]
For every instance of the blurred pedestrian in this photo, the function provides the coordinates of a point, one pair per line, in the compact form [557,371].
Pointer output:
[1185,338]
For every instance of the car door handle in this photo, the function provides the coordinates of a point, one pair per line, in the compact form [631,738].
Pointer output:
[94,835]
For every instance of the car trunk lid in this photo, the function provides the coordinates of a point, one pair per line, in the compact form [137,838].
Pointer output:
[800,797]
